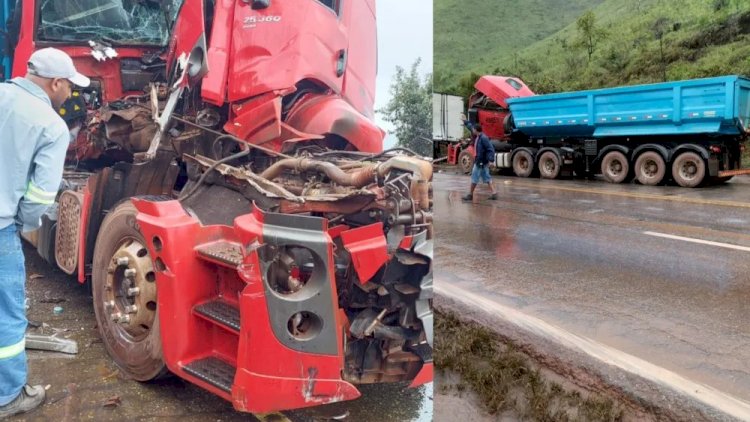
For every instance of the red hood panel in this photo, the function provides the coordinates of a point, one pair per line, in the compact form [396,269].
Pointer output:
[332,115]
[274,48]
[499,89]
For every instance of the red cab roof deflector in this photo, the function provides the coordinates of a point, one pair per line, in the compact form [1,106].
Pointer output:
[500,88]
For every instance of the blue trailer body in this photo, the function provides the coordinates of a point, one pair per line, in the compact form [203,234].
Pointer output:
[5,13]
[714,106]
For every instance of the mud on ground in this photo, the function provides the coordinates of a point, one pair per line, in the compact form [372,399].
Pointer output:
[476,368]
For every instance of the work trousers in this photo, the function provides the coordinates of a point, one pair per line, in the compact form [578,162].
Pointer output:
[13,369]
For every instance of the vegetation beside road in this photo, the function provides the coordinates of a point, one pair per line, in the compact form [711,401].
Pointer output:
[505,380]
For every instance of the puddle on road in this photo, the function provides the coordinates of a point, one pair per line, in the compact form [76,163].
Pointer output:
[379,403]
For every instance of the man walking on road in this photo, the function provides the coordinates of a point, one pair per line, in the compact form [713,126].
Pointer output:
[485,153]
[32,154]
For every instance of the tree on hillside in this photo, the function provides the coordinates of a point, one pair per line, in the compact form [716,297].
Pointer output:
[589,35]
[660,28]
[410,109]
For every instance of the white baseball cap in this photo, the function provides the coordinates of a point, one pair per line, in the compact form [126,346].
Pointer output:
[53,63]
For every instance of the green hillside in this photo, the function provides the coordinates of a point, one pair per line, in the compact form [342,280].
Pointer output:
[643,41]
[478,35]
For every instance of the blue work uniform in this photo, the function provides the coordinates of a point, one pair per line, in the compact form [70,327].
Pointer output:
[33,142]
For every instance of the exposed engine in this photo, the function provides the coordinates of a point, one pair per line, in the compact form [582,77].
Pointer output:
[222,176]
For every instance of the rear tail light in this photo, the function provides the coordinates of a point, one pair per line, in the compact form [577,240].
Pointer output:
[715,149]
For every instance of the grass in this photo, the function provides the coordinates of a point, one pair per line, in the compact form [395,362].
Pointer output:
[700,38]
[503,379]
[480,35]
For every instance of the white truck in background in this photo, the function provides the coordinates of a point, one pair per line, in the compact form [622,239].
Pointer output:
[447,126]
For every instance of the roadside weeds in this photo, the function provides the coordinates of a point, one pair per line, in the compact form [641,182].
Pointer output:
[504,380]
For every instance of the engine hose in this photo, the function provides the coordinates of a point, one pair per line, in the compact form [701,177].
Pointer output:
[210,169]
[359,178]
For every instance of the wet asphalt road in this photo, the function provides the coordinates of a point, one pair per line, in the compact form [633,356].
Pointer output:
[591,258]
[82,386]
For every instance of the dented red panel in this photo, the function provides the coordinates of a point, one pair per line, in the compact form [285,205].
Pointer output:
[187,33]
[500,88]
[214,87]
[424,376]
[257,120]
[368,248]
[269,375]
[361,66]
[276,47]
[331,114]
[182,285]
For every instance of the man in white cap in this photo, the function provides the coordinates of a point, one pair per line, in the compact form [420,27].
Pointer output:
[33,142]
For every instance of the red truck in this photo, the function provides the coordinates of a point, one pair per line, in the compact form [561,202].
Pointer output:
[228,199]
[689,132]
[488,107]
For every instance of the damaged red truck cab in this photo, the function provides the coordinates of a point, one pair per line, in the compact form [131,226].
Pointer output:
[228,199]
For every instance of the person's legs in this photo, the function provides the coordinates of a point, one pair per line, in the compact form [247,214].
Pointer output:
[493,195]
[475,175]
[487,178]
[12,315]
[14,397]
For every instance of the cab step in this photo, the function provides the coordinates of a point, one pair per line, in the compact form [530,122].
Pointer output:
[220,312]
[213,371]
[228,254]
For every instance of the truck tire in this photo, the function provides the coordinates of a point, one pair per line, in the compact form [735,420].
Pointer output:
[650,168]
[523,164]
[615,167]
[549,165]
[688,170]
[134,345]
[465,161]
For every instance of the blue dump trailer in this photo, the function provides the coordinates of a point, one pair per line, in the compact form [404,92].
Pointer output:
[693,131]
[6,11]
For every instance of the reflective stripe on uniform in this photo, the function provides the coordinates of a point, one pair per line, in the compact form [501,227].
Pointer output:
[34,194]
[12,350]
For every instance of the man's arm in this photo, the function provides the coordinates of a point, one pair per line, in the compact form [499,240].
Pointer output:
[46,174]
[467,124]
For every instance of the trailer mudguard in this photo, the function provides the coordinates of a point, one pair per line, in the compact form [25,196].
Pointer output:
[621,148]
[653,147]
[703,152]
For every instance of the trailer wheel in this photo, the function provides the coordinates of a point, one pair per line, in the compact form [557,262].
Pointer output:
[465,161]
[650,168]
[615,167]
[688,170]
[549,165]
[124,292]
[523,164]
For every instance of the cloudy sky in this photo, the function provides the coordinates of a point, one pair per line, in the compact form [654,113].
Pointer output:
[404,34]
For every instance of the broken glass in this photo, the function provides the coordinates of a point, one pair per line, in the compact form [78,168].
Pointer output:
[139,22]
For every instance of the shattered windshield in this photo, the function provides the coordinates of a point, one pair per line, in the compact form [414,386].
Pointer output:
[115,21]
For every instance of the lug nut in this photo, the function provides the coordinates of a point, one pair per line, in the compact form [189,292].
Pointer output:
[116,317]
[131,309]
[133,291]
[130,272]
[123,260]
[109,305]
[124,319]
